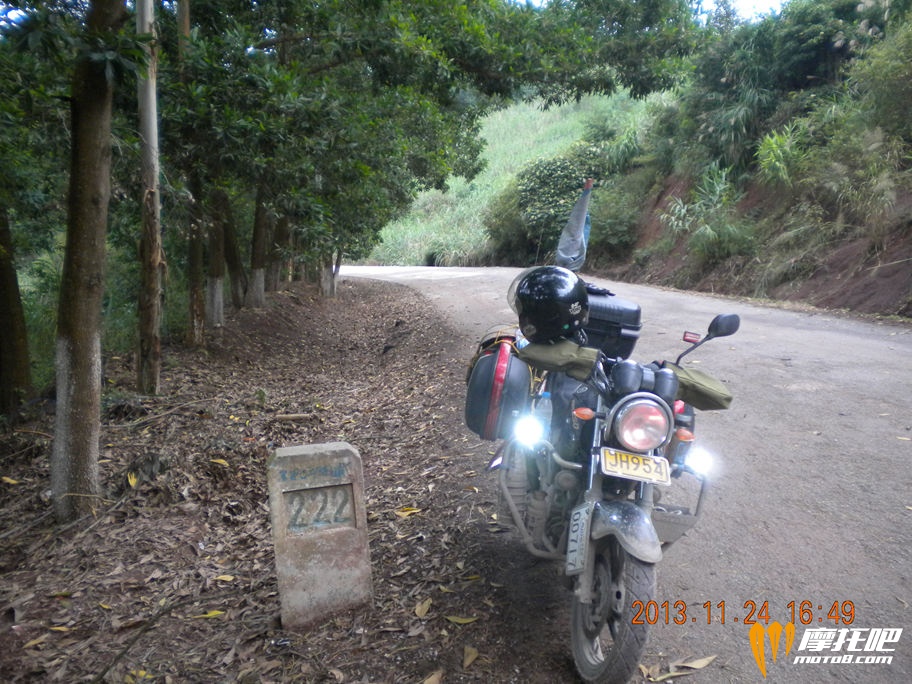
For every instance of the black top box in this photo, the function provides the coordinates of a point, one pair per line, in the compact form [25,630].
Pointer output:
[614,324]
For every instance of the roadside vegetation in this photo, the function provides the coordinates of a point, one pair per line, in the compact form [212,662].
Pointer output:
[785,139]
[290,134]
[727,155]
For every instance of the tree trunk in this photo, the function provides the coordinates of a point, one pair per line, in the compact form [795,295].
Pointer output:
[15,370]
[183,27]
[327,275]
[196,334]
[215,301]
[256,294]
[151,254]
[215,282]
[278,255]
[297,264]
[196,303]
[236,273]
[74,459]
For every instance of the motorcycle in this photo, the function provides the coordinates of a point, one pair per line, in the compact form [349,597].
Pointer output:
[590,438]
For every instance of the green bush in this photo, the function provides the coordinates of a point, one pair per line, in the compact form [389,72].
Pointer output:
[714,228]
[525,228]
[850,168]
[548,189]
[779,155]
[884,78]
[509,240]
[39,284]
[525,220]
[616,209]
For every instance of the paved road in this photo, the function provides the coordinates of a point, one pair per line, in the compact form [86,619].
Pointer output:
[812,494]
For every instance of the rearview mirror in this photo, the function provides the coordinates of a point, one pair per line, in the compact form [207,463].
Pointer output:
[724,325]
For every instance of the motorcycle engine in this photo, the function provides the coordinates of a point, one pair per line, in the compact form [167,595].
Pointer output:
[541,496]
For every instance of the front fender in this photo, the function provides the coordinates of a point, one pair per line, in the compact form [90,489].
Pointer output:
[631,525]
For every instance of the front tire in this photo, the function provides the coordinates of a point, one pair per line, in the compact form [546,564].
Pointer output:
[606,645]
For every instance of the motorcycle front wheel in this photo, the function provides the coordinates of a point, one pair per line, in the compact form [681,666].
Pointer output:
[606,645]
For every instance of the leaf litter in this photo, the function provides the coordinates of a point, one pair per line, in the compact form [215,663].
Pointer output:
[173,579]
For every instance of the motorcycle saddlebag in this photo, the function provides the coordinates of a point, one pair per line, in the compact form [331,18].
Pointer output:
[614,325]
[498,391]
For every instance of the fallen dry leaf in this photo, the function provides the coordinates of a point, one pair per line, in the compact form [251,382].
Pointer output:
[210,614]
[653,672]
[650,672]
[667,676]
[455,619]
[697,664]
[406,511]
[36,641]
[469,655]
[422,608]
[434,678]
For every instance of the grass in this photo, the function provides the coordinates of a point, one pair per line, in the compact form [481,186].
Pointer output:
[446,227]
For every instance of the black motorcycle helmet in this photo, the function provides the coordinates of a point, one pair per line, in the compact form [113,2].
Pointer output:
[551,303]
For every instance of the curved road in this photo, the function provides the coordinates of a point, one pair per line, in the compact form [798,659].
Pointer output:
[811,503]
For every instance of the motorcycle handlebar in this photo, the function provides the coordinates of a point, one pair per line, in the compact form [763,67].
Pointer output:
[625,376]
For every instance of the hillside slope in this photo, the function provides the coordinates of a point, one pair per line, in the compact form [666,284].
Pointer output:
[860,274]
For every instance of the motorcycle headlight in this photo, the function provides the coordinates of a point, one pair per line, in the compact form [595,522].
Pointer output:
[528,431]
[642,425]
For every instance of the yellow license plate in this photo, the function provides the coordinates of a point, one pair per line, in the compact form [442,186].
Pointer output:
[635,466]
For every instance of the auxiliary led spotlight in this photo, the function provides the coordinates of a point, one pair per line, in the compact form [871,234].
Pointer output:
[529,431]
[699,461]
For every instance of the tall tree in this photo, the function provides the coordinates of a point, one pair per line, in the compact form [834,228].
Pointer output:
[15,369]
[151,253]
[196,263]
[223,215]
[74,460]
[259,252]
[215,275]
[15,374]
[196,304]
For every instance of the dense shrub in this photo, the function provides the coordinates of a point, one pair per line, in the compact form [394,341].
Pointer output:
[616,210]
[884,78]
[510,243]
[709,219]
[525,221]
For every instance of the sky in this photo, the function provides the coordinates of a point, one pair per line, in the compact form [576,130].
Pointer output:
[748,9]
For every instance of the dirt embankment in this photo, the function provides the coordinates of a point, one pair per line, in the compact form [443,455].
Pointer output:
[862,274]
